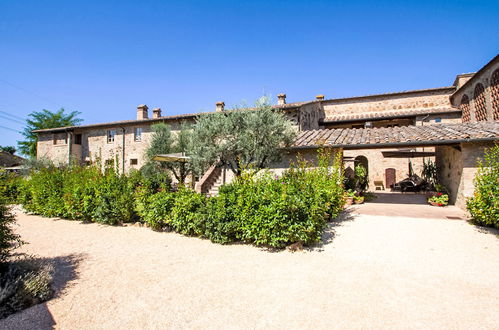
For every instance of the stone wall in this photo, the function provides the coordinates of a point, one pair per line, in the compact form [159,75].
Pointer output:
[377,164]
[479,96]
[436,98]
[457,169]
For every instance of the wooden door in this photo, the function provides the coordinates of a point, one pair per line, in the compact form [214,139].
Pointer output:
[390,177]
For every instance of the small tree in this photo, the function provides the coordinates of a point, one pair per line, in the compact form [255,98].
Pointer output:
[164,142]
[44,119]
[484,205]
[241,138]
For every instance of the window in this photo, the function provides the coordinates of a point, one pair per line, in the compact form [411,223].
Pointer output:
[138,134]
[110,136]
[77,138]
[134,161]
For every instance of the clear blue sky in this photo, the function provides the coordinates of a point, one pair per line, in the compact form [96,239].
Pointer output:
[103,58]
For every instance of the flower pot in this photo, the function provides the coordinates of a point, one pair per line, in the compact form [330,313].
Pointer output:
[436,204]
[359,200]
[348,200]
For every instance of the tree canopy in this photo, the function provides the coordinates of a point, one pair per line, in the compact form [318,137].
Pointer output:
[164,142]
[45,119]
[10,149]
[241,138]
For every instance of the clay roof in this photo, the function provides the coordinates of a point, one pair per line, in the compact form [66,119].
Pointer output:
[8,159]
[287,106]
[362,138]
[387,114]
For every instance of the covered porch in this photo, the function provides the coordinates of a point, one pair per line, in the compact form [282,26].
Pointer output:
[455,149]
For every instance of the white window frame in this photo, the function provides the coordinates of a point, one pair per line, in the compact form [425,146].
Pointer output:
[110,135]
[137,134]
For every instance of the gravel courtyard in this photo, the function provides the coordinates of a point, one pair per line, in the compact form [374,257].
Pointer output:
[372,272]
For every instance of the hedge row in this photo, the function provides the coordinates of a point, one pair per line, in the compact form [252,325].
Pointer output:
[259,209]
[262,208]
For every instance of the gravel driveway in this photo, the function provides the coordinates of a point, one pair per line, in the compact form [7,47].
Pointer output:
[373,272]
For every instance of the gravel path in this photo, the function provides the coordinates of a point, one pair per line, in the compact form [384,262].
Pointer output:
[377,272]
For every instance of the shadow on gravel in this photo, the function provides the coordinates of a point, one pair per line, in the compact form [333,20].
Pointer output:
[330,231]
[65,271]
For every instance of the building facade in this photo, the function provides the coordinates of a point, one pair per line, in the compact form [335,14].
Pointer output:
[473,97]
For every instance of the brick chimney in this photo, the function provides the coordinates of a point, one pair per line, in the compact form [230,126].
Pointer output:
[156,112]
[281,99]
[319,97]
[220,106]
[142,112]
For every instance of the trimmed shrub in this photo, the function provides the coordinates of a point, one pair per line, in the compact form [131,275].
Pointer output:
[261,209]
[484,205]
[81,193]
[10,186]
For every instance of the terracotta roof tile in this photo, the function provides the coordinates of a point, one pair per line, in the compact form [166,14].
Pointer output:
[408,135]
[387,114]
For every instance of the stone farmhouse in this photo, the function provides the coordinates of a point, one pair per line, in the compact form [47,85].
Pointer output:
[450,125]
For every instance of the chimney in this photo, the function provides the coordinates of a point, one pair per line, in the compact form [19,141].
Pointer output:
[281,99]
[319,97]
[156,112]
[142,112]
[220,106]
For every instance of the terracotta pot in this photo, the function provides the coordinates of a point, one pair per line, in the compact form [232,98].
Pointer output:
[436,204]
[359,200]
[348,200]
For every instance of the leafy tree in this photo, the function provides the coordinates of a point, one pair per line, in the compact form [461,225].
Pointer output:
[44,119]
[241,138]
[484,205]
[164,142]
[10,149]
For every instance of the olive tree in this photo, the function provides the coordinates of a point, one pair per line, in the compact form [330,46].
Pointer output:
[241,138]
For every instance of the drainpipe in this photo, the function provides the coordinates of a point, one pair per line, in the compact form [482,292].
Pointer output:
[70,145]
[123,152]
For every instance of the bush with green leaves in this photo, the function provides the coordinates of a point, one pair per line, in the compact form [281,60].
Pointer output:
[10,186]
[261,209]
[81,193]
[484,205]
[8,239]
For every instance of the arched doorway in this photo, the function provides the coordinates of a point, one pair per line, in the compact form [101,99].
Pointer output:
[362,160]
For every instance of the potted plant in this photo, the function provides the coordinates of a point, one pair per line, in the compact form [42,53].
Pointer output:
[358,199]
[349,196]
[440,199]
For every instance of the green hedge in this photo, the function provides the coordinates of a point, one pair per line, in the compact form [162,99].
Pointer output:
[260,209]
[81,193]
[484,205]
